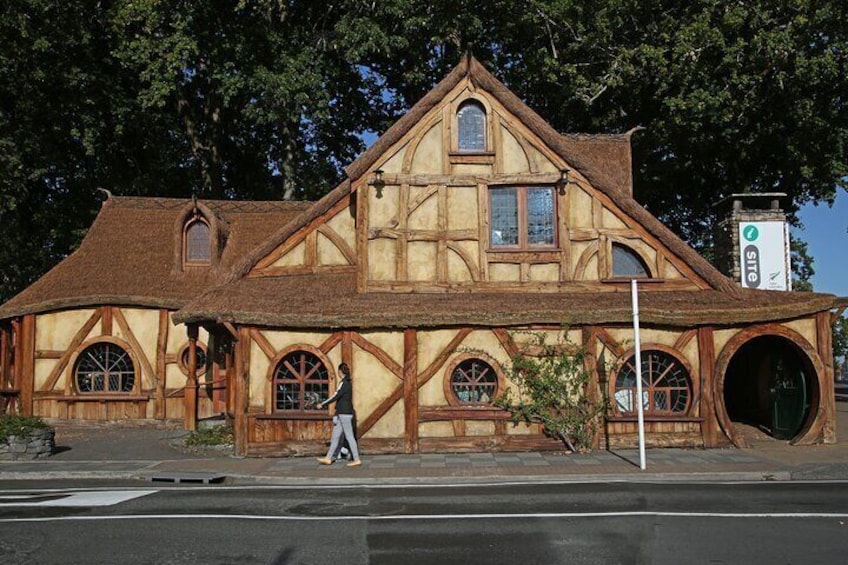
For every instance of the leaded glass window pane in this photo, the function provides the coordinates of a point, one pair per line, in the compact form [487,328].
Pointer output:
[504,212]
[198,249]
[540,216]
[301,382]
[104,367]
[627,263]
[471,127]
[474,381]
[665,385]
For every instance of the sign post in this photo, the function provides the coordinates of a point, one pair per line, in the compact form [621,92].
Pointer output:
[640,409]
[764,255]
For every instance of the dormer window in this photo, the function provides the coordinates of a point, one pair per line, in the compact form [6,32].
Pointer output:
[197,246]
[471,127]
[626,263]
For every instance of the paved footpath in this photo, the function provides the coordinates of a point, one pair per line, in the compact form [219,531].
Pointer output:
[145,452]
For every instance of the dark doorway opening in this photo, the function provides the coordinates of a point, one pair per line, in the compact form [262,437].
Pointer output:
[769,385]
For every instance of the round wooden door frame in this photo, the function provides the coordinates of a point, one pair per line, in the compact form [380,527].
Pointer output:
[815,420]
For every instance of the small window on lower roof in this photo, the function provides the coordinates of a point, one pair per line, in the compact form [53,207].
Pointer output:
[198,248]
[626,263]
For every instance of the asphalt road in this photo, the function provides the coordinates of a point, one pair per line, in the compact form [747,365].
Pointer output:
[676,523]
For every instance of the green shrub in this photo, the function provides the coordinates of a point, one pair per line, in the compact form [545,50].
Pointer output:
[216,435]
[17,425]
[553,389]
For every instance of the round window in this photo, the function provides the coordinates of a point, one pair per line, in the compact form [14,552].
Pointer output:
[474,381]
[104,367]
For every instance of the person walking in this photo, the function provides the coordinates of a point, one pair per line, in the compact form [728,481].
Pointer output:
[343,420]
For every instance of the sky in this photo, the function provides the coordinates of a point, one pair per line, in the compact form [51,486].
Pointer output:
[826,233]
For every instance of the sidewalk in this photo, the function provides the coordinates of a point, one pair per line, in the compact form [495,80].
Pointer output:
[121,453]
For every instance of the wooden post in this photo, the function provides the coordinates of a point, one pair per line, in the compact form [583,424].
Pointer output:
[824,344]
[190,397]
[706,364]
[241,397]
[161,367]
[26,364]
[593,389]
[5,378]
[410,390]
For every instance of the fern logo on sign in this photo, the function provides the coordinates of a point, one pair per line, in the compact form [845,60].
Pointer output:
[764,255]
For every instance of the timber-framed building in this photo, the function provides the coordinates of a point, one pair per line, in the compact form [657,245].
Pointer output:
[468,220]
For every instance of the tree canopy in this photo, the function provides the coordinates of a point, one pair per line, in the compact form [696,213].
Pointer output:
[269,99]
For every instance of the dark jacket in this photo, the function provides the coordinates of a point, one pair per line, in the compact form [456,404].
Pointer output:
[343,398]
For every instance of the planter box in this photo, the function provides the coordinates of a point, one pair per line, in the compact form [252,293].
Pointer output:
[36,444]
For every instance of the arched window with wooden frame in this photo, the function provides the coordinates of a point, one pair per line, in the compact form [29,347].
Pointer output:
[300,379]
[104,366]
[471,127]
[628,264]
[197,243]
[666,384]
[473,379]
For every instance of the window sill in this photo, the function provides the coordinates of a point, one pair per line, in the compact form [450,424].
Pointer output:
[654,418]
[640,280]
[471,157]
[295,415]
[116,397]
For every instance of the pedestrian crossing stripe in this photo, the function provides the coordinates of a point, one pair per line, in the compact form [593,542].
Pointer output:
[74,499]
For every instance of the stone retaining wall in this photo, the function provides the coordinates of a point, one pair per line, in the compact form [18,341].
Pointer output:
[37,444]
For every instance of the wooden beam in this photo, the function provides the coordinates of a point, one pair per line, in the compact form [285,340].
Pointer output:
[161,366]
[684,339]
[397,394]
[190,399]
[506,341]
[424,235]
[379,354]
[266,347]
[242,399]
[824,343]
[590,335]
[410,390]
[470,180]
[77,340]
[609,341]
[706,364]
[27,364]
[48,354]
[129,335]
[337,240]
[331,342]
[106,320]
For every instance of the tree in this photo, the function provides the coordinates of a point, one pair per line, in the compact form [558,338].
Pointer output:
[553,388]
[271,98]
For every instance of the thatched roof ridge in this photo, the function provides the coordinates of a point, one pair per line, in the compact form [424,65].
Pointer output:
[127,256]
[331,301]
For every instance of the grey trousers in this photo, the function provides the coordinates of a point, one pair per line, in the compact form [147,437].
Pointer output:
[343,423]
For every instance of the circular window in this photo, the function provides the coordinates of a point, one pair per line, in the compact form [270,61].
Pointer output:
[201,358]
[301,381]
[474,381]
[666,388]
[104,367]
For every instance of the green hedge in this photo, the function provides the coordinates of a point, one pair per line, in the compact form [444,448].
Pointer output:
[17,425]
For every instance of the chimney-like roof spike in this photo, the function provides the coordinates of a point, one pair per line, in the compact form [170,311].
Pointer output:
[105,191]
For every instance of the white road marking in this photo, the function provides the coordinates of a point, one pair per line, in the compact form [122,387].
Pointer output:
[418,517]
[74,499]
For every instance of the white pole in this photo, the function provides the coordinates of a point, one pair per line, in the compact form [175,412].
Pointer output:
[639,408]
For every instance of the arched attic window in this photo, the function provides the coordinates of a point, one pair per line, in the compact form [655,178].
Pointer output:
[626,263]
[197,243]
[471,126]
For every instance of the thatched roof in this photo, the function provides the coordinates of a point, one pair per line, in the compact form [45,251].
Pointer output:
[330,301]
[605,160]
[130,255]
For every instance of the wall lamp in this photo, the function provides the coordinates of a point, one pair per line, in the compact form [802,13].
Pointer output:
[563,181]
[378,183]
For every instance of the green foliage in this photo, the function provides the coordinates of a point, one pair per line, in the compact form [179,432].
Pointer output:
[214,435]
[840,343]
[553,390]
[267,99]
[17,425]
